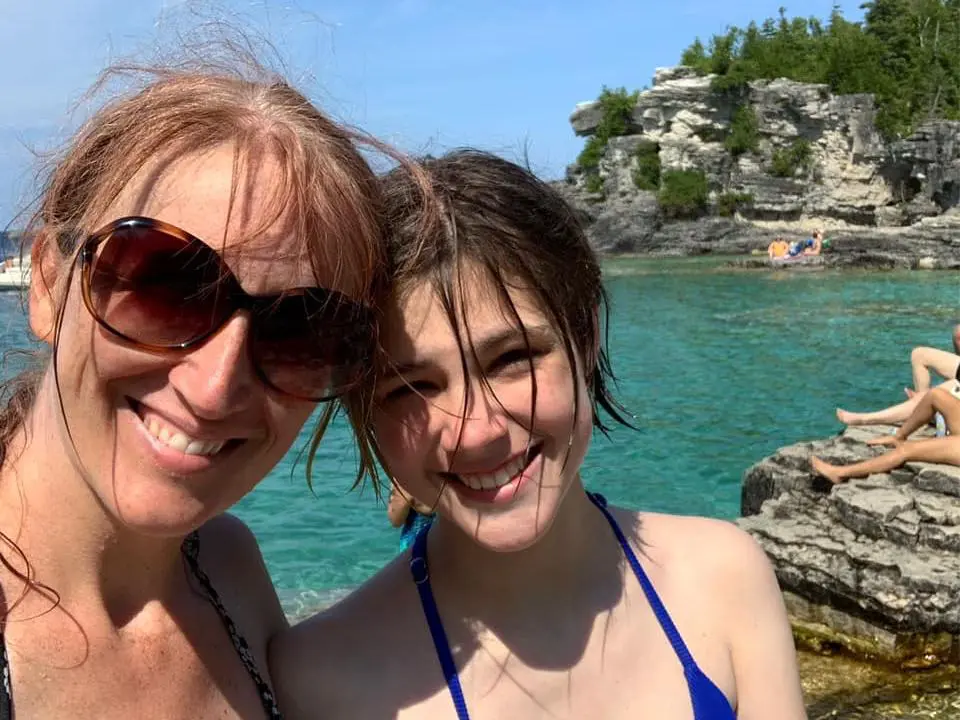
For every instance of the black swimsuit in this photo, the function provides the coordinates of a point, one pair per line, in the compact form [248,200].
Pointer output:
[191,553]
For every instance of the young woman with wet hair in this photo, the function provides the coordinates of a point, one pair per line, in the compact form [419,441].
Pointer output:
[528,597]
[205,255]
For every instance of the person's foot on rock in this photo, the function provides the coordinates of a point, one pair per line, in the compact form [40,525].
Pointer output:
[830,472]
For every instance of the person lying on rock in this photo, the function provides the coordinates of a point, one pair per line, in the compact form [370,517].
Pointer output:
[813,244]
[945,400]
[892,415]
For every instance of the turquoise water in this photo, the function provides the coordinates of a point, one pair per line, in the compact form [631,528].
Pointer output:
[720,366]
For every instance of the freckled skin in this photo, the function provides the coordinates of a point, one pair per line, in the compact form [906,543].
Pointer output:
[100,515]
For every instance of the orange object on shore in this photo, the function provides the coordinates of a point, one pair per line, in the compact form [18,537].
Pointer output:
[778,248]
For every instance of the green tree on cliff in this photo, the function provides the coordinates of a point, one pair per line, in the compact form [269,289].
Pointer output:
[906,52]
[616,107]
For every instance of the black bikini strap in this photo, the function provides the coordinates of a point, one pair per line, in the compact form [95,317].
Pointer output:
[6,692]
[191,552]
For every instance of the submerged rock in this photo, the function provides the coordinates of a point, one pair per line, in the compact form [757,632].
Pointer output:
[870,566]
[836,686]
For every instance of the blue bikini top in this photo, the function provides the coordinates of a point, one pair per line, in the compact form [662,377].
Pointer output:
[709,702]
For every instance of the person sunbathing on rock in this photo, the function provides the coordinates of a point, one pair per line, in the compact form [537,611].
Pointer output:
[777,249]
[813,244]
[892,415]
[922,361]
[945,400]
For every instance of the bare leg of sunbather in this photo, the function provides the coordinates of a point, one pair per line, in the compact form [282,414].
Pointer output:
[938,400]
[940,450]
[925,359]
[888,416]
[937,450]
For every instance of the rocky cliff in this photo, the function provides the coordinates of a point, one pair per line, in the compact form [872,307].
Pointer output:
[894,202]
[871,565]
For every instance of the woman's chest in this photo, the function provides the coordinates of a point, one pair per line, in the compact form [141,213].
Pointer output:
[172,674]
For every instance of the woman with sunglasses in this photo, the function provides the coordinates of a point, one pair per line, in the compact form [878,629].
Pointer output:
[204,255]
[528,596]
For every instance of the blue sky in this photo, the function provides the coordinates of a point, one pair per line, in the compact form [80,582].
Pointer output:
[425,75]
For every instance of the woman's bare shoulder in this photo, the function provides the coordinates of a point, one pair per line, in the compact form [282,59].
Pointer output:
[231,558]
[719,575]
[328,659]
[707,555]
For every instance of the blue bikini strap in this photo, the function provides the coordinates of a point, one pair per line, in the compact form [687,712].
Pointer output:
[673,635]
[421,578]
[420,571]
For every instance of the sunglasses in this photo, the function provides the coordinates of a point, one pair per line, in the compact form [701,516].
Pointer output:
[159,288]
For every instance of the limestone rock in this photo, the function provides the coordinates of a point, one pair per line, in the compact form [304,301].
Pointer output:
[876,560]
[677,72]
[895,204]
[586,117]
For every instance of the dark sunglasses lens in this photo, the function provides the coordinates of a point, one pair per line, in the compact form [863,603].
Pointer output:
[313,345]
[156,288]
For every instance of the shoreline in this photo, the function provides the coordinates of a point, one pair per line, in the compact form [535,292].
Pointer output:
[830,261]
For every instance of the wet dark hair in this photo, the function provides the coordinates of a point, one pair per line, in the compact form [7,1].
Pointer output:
[521,234]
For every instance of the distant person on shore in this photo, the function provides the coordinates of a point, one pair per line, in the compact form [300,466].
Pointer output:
[205,253]
[408,514]
[528,596]
[777,249]
[810,246]
[813,245]
[944,400]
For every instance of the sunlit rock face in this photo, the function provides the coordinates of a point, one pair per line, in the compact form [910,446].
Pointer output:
[854,183]
[872,565]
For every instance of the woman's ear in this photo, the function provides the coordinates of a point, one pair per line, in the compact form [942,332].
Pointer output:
[45,261]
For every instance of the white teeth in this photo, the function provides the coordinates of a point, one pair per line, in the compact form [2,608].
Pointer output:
[183,443]
[178,441]
[497,479]
[471,482]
